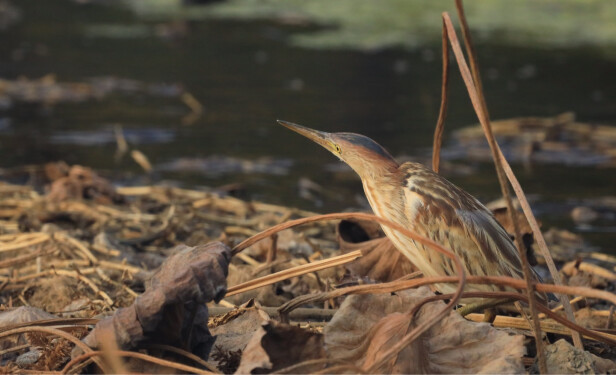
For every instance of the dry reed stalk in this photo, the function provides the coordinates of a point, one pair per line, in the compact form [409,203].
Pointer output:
[106,251]
[520,322]
[30,240]
[474,87]
[590,268]
[135,190]
[58,264]
[442,115]
[141,159]
[121,143]
[17,237]
[56,332]
[248,259]
[90,283]
[63,237]
[598,336]
[294,369]
[560,307]
[603,257]
[126,215]
[141,356]
[493,280]
[120,267]
[109,347]
[484,119]
[50,272]
[38,372]
[70,322]
[186,354]
[79,275]
[550,326]
[24,258]
[293,272]
[106,278]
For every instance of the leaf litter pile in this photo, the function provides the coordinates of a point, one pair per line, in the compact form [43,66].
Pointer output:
[166,280]
[146,269]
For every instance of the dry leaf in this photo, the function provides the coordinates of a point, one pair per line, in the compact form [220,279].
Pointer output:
[23,314]
[81,183]
[277,345]
[232,336]
[367,325]
[381,261]
[164,312]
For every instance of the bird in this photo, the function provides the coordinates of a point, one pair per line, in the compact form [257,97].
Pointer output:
[423,201]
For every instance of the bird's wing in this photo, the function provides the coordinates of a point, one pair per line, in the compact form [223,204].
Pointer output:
[453,216]
[490,236]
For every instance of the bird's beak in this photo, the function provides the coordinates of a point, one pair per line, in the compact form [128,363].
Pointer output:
[322,138]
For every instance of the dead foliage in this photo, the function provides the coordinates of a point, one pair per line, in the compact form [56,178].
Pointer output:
[79,183]
[103,260]
[367,325]
[380,260]
[558,139]
[47,90]
[275,346]
[147,266]
[172,307]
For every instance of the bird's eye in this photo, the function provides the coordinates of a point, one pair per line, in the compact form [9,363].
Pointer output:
[338,150]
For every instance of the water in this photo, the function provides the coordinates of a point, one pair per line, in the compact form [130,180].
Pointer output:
[245,75]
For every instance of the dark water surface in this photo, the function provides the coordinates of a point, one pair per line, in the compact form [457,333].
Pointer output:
[246,76]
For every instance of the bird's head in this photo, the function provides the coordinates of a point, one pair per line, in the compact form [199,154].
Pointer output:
[365,156]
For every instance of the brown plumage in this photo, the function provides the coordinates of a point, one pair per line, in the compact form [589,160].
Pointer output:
[425,202]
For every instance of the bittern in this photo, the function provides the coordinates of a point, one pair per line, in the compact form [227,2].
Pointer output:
[423,201]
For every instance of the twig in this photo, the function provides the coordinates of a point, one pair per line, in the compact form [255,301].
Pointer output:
[109,347]
[538,236]
[293,272]
[590,268]
[397,285]
[473,85]
[442,115]
[57,332]
[272,250]
[300,314]
[144,357]
[294,369]
[475,89]
[31,240]
[77,244]
[106,278]
[501,321]
[596,335]
[79,275]
[24,258]
[76,323]
[186,354]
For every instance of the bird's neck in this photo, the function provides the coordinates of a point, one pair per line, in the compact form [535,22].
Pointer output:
[380,192]
[378,169]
